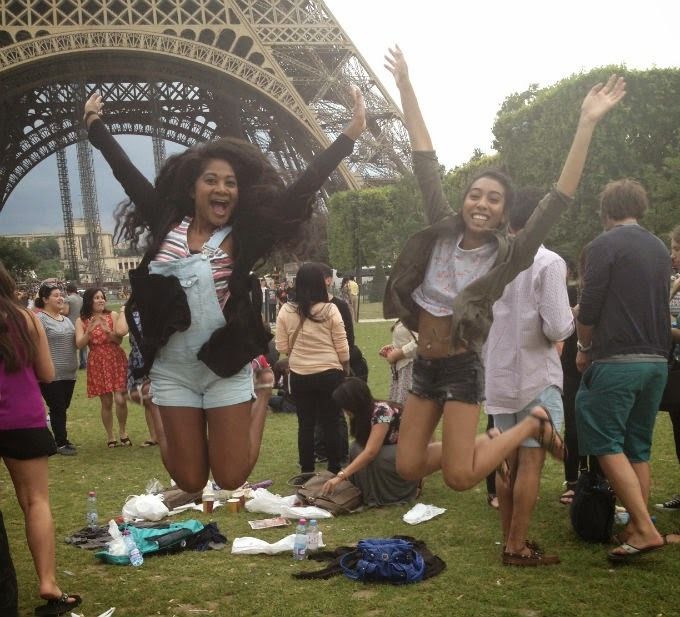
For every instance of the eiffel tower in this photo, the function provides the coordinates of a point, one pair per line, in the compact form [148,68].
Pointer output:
[274,72]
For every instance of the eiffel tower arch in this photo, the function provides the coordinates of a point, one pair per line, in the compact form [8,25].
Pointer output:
[275,72]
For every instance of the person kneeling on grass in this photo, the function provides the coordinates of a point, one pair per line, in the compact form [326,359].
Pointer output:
[374,425]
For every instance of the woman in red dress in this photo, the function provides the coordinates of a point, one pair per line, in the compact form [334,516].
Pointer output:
[106,362]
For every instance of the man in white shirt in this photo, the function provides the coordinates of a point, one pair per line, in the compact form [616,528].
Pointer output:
[523,370]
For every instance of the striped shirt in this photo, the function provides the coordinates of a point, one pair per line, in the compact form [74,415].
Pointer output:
[176,246]
[61,337]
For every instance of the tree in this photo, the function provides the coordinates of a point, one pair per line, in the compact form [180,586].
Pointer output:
[640,139]
[368,227]
[45,248]
[16,258]
[49,268]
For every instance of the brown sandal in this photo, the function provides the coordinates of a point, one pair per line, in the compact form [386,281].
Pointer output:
[554,444]
[503,470]
[112,444]
[534,558]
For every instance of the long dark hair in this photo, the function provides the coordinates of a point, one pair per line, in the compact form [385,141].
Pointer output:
[17,348]
[88,301]
[44,292]
[354,396]
[258,222]
[310,288]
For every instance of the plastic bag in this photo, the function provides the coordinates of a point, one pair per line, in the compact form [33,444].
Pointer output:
[255,546]
[308,512]
[264,501]
[117,545]
[421,513]
[153,487]
[148,507]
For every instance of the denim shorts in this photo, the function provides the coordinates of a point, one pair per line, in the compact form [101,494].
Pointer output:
[550,399]
[193,384]
[454,378]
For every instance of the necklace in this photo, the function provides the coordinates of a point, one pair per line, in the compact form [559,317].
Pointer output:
[53,317]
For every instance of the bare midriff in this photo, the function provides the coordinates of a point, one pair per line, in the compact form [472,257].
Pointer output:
[434,336]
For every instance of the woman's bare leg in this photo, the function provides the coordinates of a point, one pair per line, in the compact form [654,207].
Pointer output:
[258,416]
[185,447]
[107,414]
[121,413]
[417,457]
[467,457]
[31,486]
[230,450]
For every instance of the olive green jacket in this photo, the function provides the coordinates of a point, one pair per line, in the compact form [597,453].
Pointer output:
[472,308]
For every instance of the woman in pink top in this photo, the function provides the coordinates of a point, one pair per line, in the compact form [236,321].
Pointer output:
[25,440]
[312,333]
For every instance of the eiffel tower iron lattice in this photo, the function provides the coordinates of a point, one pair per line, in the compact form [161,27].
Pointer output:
[275,72]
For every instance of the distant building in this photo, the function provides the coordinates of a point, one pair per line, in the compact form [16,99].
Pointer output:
[115,267]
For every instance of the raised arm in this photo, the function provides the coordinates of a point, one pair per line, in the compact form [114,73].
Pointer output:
[324,164]
[418,134]
[294,205]
[134,183]
[425,163]
[598,102]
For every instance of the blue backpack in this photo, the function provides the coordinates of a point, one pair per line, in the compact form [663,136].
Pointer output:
[384,560]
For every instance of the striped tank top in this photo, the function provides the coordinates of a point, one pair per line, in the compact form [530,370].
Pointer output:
[176,246]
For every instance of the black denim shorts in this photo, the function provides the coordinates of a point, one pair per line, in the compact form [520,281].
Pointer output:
[454,378]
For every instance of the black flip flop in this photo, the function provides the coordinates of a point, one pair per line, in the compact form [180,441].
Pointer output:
[58,606]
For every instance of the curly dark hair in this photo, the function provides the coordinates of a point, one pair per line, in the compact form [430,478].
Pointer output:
[259,184]
[17,348]
[88,301]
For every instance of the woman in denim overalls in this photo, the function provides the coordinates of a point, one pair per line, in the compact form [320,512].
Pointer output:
[215,212]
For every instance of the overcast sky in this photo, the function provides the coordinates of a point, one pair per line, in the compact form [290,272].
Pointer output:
[464,58]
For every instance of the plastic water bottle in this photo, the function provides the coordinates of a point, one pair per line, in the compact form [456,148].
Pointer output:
[313,536]
[300,544]
[91,518]
[136,558]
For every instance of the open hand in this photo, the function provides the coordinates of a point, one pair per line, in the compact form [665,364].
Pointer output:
[95,103]
[329,487]
[357,124]
[602,98]
[395,63]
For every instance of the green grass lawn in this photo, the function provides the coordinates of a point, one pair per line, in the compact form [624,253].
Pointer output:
[467,537]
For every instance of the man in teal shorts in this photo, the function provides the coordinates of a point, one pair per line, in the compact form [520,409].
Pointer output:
[624,337]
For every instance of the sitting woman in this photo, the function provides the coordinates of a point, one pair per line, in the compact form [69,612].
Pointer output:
[373,453]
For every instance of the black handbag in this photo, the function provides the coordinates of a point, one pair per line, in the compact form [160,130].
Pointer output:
[593,507]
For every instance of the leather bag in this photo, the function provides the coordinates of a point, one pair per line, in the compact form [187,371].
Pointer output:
[345,499]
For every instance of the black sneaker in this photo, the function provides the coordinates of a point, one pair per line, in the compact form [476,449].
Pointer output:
[672,505]
[67,450]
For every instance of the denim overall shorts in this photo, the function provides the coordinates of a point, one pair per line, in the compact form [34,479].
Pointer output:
[178,377]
